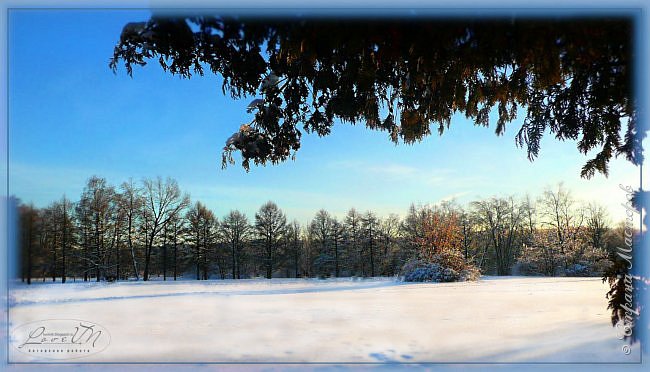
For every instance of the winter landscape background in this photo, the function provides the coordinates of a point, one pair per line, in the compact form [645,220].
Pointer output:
[166,203]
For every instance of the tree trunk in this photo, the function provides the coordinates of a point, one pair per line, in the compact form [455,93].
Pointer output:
[205,266]
[372,256]
[295,260]
[233,259]
[269,258]
[336,258]
[130,241]
[165,253]
[205,253]
[54,257]
[86,264]
[238,262]
[148,249]
[175,252]
[64,242]
[97,247]
[117,258]
[29,249]
[198,256]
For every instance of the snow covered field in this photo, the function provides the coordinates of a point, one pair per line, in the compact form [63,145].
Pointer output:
[511,319]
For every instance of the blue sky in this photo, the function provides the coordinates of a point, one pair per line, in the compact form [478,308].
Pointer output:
[70,117]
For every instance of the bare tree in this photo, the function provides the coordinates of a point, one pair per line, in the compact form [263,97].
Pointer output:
[163,201]
[96,208]
[597,224]
[530,216]
[131,202]
[501,220]
[561,212]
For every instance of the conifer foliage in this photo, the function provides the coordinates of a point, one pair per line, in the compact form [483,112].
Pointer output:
[572,77]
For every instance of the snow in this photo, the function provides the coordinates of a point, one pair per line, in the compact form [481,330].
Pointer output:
[504,319]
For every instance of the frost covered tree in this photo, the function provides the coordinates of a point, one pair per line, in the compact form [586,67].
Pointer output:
[540,254]
[562,213]
[412,228]
[597,222]
[442,239]
[439,248]
[531,218]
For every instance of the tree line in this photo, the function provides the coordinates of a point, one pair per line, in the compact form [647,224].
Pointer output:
[152,229]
